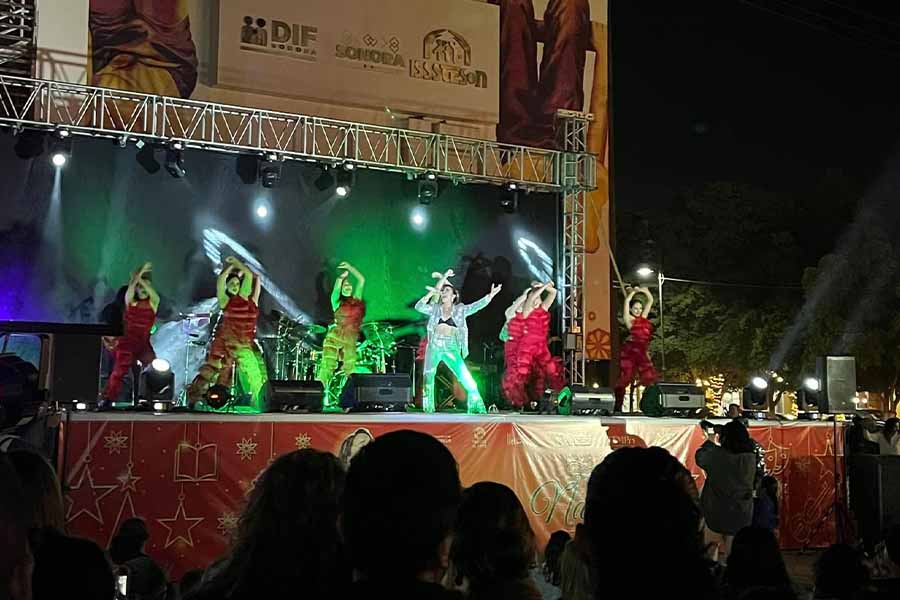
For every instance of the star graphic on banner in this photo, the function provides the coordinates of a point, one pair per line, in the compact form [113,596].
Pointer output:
[303,441]
[246,448]
[85,499]
[126,502]
[115,442]
[179,526]
[128,480]
[228,522]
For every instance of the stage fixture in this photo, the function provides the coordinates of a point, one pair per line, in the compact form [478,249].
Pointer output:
[672,399]
[755,396]
[19,394]
[809,395]
[146,158]
[156,386]
[343,183]
[293,396]
[382,392]
[325,179]
[509,201]
[175,159]
[580,401]
[270,170]
[428,188]
[218,396]
[837,378]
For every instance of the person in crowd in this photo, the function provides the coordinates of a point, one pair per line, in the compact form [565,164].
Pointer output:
[16,560]
[888,439]
[352,444]
[126,550]
[727,496]
[734,411]
[448,338]
[398,511]
[189,582]
[755,563]
[287,539]
[840,574]
[553,554]
[766,504]
[493,545]
[642,498]
[64,567]
[340,341]
[575,567]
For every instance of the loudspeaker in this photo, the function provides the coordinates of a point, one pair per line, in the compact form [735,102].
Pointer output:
[874,494]
[837,376]
[672,398]
[592,401]
[75,359]
[294,396]
[377,392]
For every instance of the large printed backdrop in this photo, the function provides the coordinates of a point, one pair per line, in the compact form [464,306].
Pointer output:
[188,477]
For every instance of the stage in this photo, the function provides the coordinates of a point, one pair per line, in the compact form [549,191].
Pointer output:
[187,474]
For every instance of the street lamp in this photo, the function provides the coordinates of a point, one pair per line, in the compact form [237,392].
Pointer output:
[645,273]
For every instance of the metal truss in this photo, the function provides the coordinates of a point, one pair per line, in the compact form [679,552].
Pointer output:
[577,178]
[125,116]
[17,35]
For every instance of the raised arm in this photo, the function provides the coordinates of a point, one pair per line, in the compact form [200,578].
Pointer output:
[360,280]
[151,293]
[470,309]
[336,290]
[550,298]
[222,284]
[516,306]
[626,312]
[257,288]
[135,281]
[649,304]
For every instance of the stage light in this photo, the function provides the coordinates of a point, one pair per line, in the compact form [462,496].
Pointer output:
[811,384]
[157,382]
[58,159]
[759,383]
[348,166]
[176,145]
[755,396]
[430,176]
[146,158]
[62,133]
[419,218]
[428,190]
[512,186]
[644,272]
[261,211]
[175,160]
[509,202]
[344,183]
[81,406]
[270,171]
[218,396]
[325,179]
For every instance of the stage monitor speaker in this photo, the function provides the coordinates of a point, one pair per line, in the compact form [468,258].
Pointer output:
[874,494]
[837,378]
[672,398]
[377,392]
[283,395]
[592,401]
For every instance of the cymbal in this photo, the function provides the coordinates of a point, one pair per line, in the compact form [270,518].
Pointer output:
[186,316]
[314,328]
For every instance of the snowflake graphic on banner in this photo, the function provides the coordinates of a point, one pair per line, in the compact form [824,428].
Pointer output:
[246,448]
[228,522]
[303,441]
[115,442]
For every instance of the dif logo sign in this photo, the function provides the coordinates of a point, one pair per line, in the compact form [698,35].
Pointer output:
[447,57]
[283,38]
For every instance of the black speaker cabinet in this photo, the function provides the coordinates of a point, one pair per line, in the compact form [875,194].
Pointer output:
[874,494]
[592,401]
[377,392]
[837,377]
[283,395]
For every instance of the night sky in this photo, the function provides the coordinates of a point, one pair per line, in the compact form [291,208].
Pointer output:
[727,90]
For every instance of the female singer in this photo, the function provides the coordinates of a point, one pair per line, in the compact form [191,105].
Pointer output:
[234,341]
[448,338]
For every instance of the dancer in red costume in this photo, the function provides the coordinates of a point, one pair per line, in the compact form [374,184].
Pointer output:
[530,368]
[141,303]
[234,343]
[340,341]
[634,356]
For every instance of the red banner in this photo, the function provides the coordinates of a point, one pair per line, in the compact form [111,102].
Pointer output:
[187,476]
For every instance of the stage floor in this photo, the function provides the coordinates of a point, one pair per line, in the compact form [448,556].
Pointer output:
[187,473]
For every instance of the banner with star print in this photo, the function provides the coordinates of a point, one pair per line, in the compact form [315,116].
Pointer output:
[188,476]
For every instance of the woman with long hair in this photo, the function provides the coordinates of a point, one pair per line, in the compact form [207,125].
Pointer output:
[287,540]
[352,444]
[140,305]
[493,546]
[340,341]
[530,368]
[634,357]
[448,338]
[234,342]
